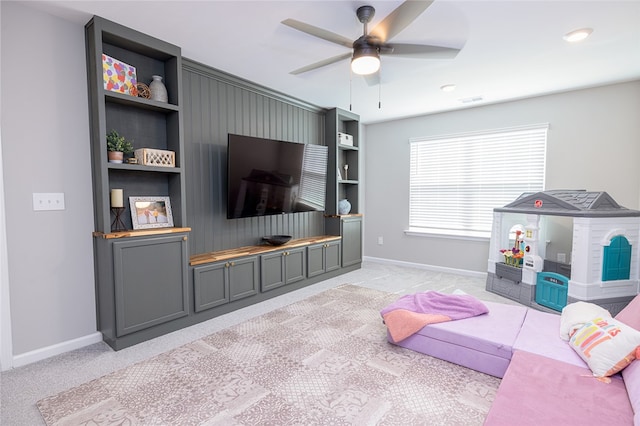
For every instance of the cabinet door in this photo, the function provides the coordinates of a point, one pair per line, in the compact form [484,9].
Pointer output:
[295,265]
[332,256]
[315,260]
[211,286]
[272,272]
[151,284]
[243,278]
[351,241]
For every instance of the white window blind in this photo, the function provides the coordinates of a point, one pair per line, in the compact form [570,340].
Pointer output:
[457,180]
[314,175]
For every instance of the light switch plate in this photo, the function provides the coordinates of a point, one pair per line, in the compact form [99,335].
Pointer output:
[48,201]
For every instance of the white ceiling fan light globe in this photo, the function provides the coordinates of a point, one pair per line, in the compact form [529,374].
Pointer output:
[365,65]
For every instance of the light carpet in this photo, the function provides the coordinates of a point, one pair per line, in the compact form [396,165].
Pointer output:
[322,361]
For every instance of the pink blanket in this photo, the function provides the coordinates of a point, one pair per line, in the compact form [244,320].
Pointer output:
[411,312]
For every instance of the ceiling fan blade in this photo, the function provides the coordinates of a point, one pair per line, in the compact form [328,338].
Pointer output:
[399,19]
[422,51]
[321,64]
[319,32]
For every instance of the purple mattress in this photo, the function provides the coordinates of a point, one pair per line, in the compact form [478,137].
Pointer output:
[540,334]
[483,343]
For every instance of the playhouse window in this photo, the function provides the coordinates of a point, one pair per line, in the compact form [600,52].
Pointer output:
[456,180]
[617,259]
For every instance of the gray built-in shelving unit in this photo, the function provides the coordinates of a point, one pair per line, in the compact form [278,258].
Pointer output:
[141,276]
[153,281]
[344,185]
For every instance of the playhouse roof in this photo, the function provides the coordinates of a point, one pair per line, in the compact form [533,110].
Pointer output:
[568,203]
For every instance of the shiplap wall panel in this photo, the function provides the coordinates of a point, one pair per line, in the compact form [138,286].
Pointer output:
[216,104]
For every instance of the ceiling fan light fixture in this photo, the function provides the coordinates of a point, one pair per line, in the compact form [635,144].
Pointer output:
[366,60]
[365,65]
[577,35]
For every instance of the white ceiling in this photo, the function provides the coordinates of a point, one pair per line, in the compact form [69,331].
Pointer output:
[510,49]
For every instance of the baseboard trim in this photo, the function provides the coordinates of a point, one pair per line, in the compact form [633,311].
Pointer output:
[57,349]
[464,272]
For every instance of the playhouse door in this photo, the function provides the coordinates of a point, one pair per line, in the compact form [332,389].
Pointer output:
[616,264]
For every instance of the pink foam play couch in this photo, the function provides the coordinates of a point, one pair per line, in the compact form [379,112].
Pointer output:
[544,381]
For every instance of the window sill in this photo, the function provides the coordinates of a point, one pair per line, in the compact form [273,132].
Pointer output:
[449,234]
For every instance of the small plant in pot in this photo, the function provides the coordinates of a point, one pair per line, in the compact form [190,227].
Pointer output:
[117,146]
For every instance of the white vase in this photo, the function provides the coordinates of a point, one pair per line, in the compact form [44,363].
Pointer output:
[344,206]
[158,90]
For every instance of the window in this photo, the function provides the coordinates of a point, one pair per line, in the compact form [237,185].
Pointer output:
[457,180]
[314,175]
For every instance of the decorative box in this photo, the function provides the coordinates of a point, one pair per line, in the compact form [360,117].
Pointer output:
[118,76]
[345,139]
[155,157]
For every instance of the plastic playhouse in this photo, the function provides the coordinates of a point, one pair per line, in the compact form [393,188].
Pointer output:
[604,266]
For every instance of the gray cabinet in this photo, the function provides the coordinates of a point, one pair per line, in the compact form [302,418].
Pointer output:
[350,228]
[142,283]
[224,282]
[323,258]
[282,267]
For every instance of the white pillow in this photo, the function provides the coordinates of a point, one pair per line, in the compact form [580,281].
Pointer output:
[606,345]
[576,314]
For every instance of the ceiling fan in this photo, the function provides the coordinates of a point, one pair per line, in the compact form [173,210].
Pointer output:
[366,50]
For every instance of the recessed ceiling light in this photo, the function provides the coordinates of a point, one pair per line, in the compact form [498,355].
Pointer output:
[448,87]
[577,35]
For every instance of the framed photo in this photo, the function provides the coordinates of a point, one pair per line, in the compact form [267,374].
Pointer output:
[151,212]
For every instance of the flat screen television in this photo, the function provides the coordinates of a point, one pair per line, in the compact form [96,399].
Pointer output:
[269,177]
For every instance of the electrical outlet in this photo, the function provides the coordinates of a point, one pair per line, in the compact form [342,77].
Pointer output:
[562,257]
[380,241]
[48,201]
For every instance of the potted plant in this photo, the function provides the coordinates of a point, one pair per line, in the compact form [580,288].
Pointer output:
[117,146]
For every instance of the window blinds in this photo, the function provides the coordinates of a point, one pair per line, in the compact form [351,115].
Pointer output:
[457,180]
[314,174]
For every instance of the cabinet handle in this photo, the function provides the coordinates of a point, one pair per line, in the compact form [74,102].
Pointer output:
[184,238]
[233,263]
[226,265]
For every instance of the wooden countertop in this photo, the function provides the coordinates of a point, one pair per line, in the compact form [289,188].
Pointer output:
[140,232]
[217,256]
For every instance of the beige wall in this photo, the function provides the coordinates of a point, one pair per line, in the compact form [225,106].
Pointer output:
[593,144]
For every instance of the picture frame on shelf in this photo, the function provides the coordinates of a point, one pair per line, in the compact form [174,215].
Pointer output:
[119,76]
[151,212]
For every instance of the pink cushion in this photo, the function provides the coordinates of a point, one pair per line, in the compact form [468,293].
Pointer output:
[540,334]
[631,376]
[630,315]
[537,390]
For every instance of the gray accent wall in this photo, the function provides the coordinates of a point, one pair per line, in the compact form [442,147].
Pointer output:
[593,144]
[215,104]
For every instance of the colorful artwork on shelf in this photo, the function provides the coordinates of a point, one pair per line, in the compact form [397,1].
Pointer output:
[118,76]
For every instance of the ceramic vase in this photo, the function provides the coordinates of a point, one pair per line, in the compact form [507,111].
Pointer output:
[344,206]
[158,90]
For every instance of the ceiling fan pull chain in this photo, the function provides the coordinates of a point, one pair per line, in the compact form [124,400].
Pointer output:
[380,89]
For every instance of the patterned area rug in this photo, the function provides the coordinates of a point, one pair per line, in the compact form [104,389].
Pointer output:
[322,361]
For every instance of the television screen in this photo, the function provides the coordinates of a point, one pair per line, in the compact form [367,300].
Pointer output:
[267,177]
